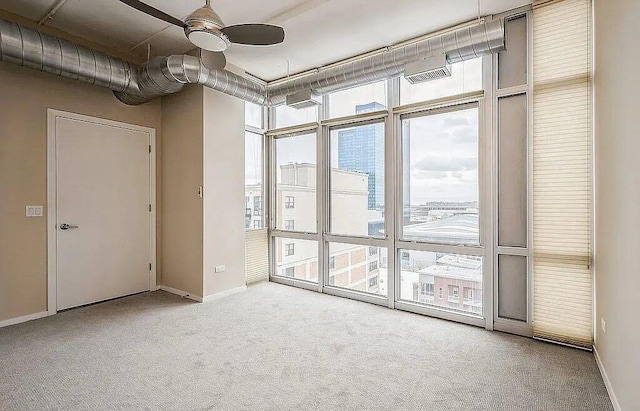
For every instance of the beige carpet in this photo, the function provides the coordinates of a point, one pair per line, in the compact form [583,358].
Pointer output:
[274,348]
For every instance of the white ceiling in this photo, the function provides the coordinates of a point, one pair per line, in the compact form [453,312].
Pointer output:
[318,32]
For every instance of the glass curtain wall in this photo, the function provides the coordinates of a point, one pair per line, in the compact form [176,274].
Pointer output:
[379,194]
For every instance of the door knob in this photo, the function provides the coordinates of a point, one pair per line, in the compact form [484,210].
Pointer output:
[65,226]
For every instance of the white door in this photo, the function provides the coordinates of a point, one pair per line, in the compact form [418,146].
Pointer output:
[103,219]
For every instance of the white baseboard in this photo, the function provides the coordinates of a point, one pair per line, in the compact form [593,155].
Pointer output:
[181,293]
[24,318]
[607,382]
[224,293]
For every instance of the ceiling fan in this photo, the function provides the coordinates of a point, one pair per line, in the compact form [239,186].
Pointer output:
[205,29]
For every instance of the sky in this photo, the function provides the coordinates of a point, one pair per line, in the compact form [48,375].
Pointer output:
[444,147]
[443,161]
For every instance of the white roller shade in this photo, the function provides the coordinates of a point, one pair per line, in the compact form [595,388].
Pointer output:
[257,255]
[562,182]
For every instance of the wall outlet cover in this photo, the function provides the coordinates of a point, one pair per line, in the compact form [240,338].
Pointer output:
[220,268]
[34,211]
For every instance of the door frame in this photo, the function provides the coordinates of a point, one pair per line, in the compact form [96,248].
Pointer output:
[52,209]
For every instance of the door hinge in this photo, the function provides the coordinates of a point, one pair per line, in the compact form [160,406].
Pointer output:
[149,266]
[149,147]
[149,207]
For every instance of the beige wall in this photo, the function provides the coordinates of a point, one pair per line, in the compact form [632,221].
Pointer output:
[182,171]
[224,235]
[25,96]
[617,195]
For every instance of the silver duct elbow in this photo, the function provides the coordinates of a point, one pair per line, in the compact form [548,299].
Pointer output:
[162,76]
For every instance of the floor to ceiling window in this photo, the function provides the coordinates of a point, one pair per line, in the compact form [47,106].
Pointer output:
[256,237]
[357,205]
[443,197]
[345,223]
[294,173]
[384,194]
[441,210]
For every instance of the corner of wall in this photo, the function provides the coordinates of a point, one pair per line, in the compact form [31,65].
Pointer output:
[223,156]
[182,176]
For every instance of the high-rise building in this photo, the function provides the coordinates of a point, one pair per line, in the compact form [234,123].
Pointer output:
[362,149]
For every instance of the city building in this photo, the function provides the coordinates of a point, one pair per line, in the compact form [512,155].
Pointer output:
[254,207]
[350,266]
[362,149]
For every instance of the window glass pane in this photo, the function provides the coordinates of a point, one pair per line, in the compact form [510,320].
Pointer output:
[288,116]
[252,115]
[296,259]
[440,177]
[466,76]
[450,281]
[358,267]
[357,180]
[253,177]
[296,183]
[363,99]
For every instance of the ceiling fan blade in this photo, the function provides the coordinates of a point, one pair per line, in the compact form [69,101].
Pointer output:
[151,11]
[254,34]
[213,60]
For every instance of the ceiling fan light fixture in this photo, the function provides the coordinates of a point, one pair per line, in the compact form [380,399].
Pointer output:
[207,39]
[203,29]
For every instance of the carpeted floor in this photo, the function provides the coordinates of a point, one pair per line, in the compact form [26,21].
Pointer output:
[275,347]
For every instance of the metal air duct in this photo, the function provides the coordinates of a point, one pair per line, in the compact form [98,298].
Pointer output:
[160,76]
[32,49]
[464,44]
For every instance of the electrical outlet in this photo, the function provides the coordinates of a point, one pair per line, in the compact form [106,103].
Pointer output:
[220,268]
[603,325]
[33,211]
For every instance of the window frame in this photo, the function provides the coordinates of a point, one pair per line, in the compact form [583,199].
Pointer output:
[485,249]
[327,111]
[289,202]
[454,295]
[259,131]
[432,112]
[445,97]
[427,289]
[291,226]
[289,249]
[286,271]
[348,124]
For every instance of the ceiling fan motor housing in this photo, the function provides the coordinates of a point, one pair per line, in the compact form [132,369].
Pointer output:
[204,29]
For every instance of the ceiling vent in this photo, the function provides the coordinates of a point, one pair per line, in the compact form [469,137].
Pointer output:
[427,69]
[303,99]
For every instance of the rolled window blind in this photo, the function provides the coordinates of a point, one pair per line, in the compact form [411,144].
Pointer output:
[562,198]
[257,256]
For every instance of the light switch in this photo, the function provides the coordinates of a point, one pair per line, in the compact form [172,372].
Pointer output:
[34,211]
